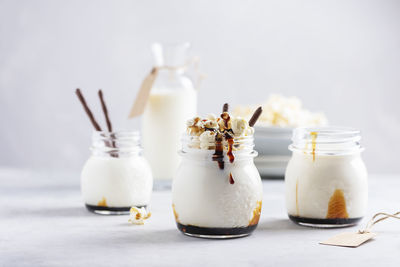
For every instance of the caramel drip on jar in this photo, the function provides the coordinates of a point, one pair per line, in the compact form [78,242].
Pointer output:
[175,213]
[256,214]
[102,202]
[337,206]
[313,143]
[219,151]
[231,181]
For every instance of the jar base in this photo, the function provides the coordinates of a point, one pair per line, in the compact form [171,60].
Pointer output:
[325,223]
[217,232]
[110,210]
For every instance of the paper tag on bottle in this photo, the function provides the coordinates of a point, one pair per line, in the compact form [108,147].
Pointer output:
[143,94]
[348,239]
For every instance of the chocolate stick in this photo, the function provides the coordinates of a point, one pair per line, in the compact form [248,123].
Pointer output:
[87,110]
[255,116]
[105,111]
[109,125]
[225,107]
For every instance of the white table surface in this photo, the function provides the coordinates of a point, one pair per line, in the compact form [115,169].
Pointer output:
[43,223]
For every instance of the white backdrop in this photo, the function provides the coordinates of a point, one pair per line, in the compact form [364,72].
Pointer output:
[340,57]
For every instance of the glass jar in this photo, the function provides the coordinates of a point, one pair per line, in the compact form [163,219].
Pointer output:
[172,101]
[214,198]
[326,179]
[116,177]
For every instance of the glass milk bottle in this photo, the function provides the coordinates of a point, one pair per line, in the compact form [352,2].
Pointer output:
[172,100]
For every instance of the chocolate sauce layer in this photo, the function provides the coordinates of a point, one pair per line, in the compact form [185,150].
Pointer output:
[94,208]
[216,231]
[337,221]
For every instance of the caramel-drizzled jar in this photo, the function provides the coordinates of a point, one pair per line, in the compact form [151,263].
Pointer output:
[326,178]
[215,194]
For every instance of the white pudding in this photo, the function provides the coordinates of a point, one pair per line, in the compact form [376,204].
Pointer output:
[116,177]
[203,195]
[116,182]
[311,185]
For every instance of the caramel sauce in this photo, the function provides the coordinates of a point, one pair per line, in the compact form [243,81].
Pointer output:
[256,214]
[230,155]
[225,116]
[313,143]
[102,202]
[337,206]
[227,133]
[175,213]
[297,197]
[219,151]
[231,181]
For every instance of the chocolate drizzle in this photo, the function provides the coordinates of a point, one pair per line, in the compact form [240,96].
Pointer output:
[231,181]
[219,151]
[226,132]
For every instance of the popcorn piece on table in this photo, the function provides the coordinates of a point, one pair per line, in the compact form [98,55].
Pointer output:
[138,215]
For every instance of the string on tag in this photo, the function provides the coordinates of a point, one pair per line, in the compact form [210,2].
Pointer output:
[144,91]
[378,218]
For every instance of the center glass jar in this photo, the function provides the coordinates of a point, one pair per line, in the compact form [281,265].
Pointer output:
[116,176]
[326,179]
[217,197]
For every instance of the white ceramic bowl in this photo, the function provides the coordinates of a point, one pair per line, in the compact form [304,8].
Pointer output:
[273,153]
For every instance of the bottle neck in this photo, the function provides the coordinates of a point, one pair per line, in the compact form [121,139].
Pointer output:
[115,144]
[170,55]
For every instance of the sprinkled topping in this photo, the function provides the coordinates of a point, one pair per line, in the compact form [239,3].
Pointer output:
[221,133]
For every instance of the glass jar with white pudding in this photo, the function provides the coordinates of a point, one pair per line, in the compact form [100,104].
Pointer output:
[326,178]
[217,191]
[116,176]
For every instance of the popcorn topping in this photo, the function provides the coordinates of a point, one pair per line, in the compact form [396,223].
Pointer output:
[219,134]
[283,112]
[138,215]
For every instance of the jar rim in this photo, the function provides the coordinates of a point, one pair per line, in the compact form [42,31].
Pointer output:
[334,132]
[115,134]
[328,140]
[117,143]
[194,142]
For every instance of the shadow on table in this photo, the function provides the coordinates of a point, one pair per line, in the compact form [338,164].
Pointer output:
[285,225]
[279,225]
[49,212]
[145,237]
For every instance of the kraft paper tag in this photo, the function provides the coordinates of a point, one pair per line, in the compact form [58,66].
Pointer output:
[143,94]
[352,240]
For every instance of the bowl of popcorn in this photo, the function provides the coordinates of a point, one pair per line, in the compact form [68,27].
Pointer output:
[274,130]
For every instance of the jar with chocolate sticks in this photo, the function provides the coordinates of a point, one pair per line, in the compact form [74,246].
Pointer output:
[116,176]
